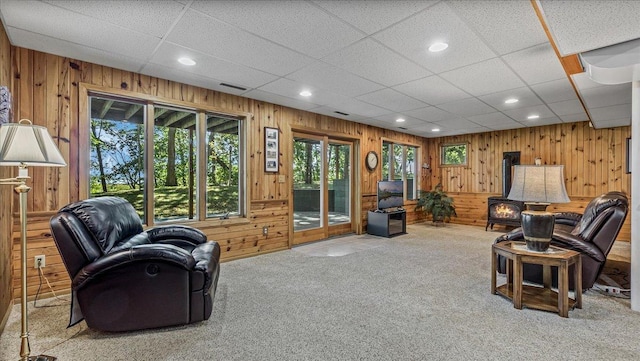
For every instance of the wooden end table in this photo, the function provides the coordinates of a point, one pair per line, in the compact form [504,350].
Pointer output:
[541,298]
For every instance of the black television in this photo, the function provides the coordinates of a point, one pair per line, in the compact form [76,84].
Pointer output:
[390,194]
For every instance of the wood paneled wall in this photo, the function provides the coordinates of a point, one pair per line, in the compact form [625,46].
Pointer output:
[48,91]
[6,194]
[594,160]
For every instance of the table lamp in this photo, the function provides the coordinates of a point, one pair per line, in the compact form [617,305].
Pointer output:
[23,144]
[538,186]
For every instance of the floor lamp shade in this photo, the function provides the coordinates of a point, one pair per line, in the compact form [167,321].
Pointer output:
[23,144]
[27,144]
[538,186]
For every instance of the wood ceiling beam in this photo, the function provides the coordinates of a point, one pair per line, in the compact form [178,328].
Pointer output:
[105,108]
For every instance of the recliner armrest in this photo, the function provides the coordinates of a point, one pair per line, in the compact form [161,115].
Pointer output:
[576,243]
[143,253]
[513,235]
[568,218]
[177,235]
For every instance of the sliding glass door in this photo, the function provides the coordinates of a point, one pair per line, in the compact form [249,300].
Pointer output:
[322,187]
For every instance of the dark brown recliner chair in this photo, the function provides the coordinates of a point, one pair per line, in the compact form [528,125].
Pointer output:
[592,234]
[125,278]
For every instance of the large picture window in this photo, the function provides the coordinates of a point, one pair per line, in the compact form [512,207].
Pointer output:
[121,157]
[399,163]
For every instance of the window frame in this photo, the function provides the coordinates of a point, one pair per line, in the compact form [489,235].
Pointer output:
[442,147]
[392,143]
[149,101]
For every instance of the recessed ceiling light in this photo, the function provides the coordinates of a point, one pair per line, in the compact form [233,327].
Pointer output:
[305,93]
[435,129]
[511,101]
[436,47]
[534,116]
[399,120]
[186,61]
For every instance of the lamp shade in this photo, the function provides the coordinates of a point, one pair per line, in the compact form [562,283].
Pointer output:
[25,143]
[539,183]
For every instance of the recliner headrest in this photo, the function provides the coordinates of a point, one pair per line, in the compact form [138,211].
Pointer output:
[597,206]
[109,219]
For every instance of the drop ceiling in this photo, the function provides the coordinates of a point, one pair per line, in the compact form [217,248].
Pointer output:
[366,59]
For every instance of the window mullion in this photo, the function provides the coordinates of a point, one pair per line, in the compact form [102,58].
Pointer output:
[149,193]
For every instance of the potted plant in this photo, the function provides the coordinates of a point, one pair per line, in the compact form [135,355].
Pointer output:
[436,203]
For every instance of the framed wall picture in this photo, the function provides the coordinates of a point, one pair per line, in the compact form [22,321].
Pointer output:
[628,163]
[271,149]
[5,105]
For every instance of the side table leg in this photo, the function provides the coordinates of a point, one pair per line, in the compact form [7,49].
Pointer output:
[577,275]
[517,283]
[563,289]
[494,261]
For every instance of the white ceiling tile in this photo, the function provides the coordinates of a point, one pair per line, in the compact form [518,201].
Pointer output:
[353,106]
[298,25]
[566,107]
[67,49]
[578,117]
[606,95]
[521,114]
[491,119]
[542,121]
[291,89]
[413,36]
[622,122]
[55,22]
[332,78]
[458,123]
[486,77]
[578,26]
[376,62]
[506,26]
[537,64]
[210,36]
[153,17]
[408,123]
[614,112]
[505,126]
[467,107]
[278,99]
[433,90]
[431,114]
[392,100]
[584,81]
[555,91]
[211,67]
[373,16]
[164,72]
[524,95]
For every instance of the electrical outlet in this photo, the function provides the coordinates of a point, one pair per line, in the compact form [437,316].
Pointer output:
[612,290]
[265,230]
[39,261]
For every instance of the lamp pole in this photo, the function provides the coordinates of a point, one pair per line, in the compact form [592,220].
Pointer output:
[22,189]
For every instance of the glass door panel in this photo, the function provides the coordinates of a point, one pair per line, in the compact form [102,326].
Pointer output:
[339,183]
[307,184]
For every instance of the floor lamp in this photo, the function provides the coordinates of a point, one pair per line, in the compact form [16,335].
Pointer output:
[23,144]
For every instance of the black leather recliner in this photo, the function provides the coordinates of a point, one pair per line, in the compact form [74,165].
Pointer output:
[125,278]
[591,233]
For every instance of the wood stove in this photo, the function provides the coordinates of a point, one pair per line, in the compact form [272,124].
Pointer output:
[501,210]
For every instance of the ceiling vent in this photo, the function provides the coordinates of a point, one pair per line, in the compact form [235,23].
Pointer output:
[233,86]
[341,113]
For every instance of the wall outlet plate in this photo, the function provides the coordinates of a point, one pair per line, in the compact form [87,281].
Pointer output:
[41,259]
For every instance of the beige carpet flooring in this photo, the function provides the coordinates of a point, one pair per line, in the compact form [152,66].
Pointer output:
[420,296]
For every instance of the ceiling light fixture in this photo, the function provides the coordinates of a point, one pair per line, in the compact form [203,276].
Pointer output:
[305,93]
[400,120]
[511,101]
[534,116]
[436,47]
[435,129]
[187,61]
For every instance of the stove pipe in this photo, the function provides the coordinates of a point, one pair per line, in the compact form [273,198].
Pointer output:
[509,159]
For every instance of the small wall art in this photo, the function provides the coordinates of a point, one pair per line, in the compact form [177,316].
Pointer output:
[5,105]
[271,149]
